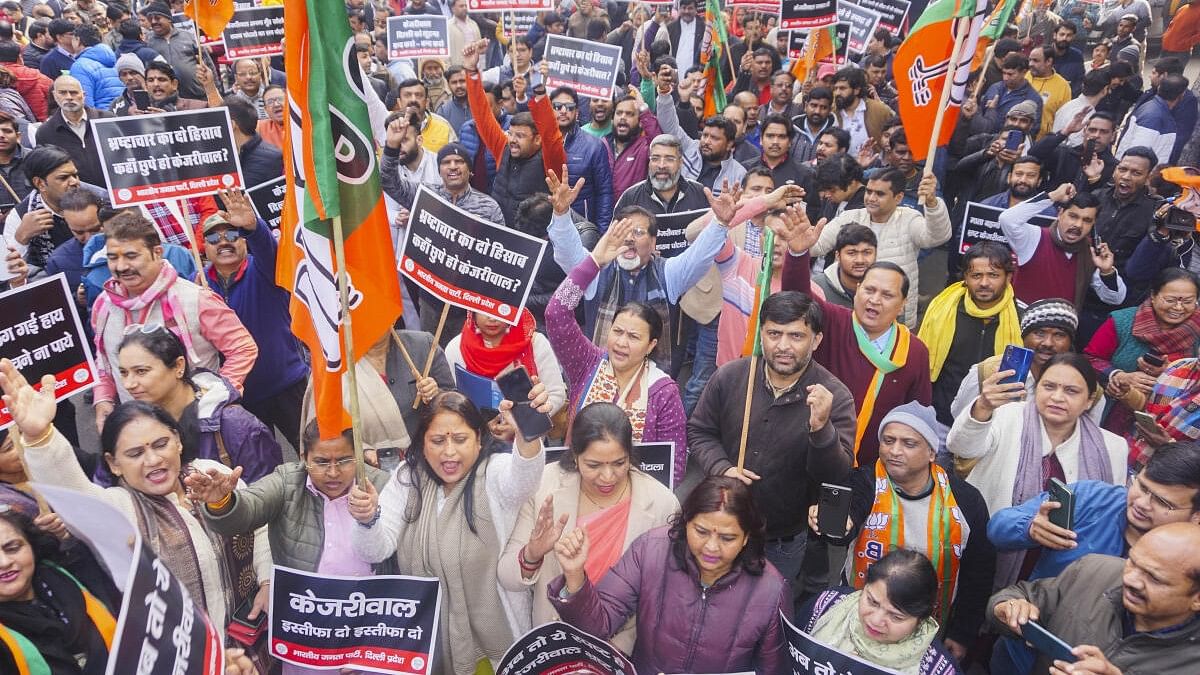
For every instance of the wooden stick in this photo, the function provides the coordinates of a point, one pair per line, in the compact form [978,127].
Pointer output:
[19,447]
[437,336]
[964,25]
[16,199]
[987,60]
[176,207]
[746,412]
[404,352]
[339,256]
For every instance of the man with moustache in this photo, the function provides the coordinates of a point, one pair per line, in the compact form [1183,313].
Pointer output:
[863,117]
[815,120]
[1064,163]
[629,143]
[1068,60]
[601,125]
[416,164]
[586,159]
[776,138]
[1108,519]
[970,321]
[800,430]
[1139,613]
[709,160]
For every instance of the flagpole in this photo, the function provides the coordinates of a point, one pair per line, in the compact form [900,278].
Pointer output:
[437,336]
[185,224]
[746,412]
[964,26]
[987,59]
[339,255]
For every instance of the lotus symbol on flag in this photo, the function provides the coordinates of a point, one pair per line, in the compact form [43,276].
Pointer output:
[920,76]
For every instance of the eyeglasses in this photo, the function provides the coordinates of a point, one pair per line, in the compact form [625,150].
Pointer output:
[1142,488]
[144,328]
[326,465]
[231,235]
[638,232]
[564,106]
[1179,302]
[272,102]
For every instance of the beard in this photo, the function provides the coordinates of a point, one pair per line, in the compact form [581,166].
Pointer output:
[628,136]
[1022,190]
[843,102]
[628,264]
[660,184]
[798,364]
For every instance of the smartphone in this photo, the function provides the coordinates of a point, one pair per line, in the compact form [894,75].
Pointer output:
[242,628]
[1154,360]
[1047,643]
[389,458]
[1018,359]
[1013,139]
[141,98]
[1063,516]
[515,385]
[1089,152]
[1145,420]
[833,508]
[1096,240]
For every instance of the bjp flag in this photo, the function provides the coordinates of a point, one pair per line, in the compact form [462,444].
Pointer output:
[921,66]
[210,15]
[332,172]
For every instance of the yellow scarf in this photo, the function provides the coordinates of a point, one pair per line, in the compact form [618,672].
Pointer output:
[937,328]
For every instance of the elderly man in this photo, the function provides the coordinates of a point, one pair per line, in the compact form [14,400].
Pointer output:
[1137,614]
[69,129]
[940,515]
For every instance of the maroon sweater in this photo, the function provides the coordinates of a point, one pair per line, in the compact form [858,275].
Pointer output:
[1050,273]
[839,353]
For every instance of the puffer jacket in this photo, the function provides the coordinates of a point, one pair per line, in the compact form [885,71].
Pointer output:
[33,86]
[293,514]
[139,49]
[733,626]
[95,68]
[587,157]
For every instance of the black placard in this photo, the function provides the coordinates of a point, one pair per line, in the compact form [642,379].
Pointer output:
[672,227]
[806,655]
[382,623]
[41,334]
[807,14]
[982,223]
[559,647]
[171,155]
[267,199]
[467,261]
[417,35]
[590,68]
[254,32]
[891,12]
[862,23]
[655,459]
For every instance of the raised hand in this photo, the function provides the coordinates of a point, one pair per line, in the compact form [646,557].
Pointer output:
[794,229]
[472,52]
[396,131]
[1062,194]
[725,205]
[238,209]
[927,191]
[32,224]
[1102,258]
[572,553]
[211,486]
[562,194]
[546,532]
[32,410]
[363,502]
[820,404]
[612,243]
[1077,122]
[784,195]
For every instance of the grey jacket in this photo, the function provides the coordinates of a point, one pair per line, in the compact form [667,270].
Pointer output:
[1083,606]
[693,163]
[292,513]
[181,51]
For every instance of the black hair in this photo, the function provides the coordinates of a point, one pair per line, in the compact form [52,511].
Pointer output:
[1066,24]
[838,172]
[891,267]
[565,90]
[894,177]
[727,127]
[1172,86]
[43,161]
[1016,61]
[60,27]
[454,403]
[597,422]
[875,61]
[130,29]
[130,225]
[1028,159]
[312,435]
[823,93]
[1169,65]
[163,345]
[1170,274]
[88,35]
[7,118]
[242,114]
[646,313]
[631,210]
[454,70]
[1006,46]
[910,581]
[80,200]
[1082,200]
[883,35]
[722,494]
[787,306]
[840,136]
[45,546]
[776,118]
[1143,152]
[523,119]
[130,411]
[996,254]
[853,76]
[1047,52]
[162,67]
[1104,115]
[1095,81]
[10,52]
[758,171]
[37,29]
[115,10]
[1120,69]
[534,214]
[1177,464]
[853,235]
[1081,365]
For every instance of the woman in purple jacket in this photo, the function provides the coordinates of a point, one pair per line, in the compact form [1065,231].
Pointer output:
[706,599]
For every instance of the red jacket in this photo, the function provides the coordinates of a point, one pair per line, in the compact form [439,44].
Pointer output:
[33,86]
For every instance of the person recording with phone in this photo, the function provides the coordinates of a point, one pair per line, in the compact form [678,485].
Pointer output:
[939,515]
[1105,518]
[1138,614]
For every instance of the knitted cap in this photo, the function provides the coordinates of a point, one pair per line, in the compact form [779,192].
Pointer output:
[1023,109]
[456,149]
[157,9]
[1050,313]
[921,418]
[131,62]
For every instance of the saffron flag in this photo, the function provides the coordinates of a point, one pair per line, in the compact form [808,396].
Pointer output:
[820,44]
[762,288]
[921,66]
[210,16]
[712,50]
[332,172]
[993,29]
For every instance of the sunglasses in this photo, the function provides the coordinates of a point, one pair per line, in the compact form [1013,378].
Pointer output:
[564,106]
[230,235]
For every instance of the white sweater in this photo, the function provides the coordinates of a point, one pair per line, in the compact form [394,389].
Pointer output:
[901,239]
[998,443]
[511,481]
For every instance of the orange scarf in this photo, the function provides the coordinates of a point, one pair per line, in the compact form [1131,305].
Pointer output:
[883,531]
[893,358]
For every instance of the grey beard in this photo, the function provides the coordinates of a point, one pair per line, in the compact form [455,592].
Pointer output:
[628,264]
[661,184]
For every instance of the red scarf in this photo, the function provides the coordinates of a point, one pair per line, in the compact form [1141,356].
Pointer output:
[516,345]
[1173,343]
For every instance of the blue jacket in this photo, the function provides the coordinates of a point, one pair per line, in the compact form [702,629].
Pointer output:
[587,157]
[1008,99]
[96,272]
[55,62]
[1099,524]
[263,307]
[139,48]
[468,135]
[67,258]
[95,69]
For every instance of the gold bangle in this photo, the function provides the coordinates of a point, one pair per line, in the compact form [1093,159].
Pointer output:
[217,506]
[41,440]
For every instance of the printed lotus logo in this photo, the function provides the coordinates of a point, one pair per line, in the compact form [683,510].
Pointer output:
[920,77]
[281,649]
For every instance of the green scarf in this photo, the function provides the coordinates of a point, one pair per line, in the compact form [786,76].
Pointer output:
[840,627]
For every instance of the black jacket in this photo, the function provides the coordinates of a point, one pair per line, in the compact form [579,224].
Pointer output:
[1064,163]
[87,159]
[261,161]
